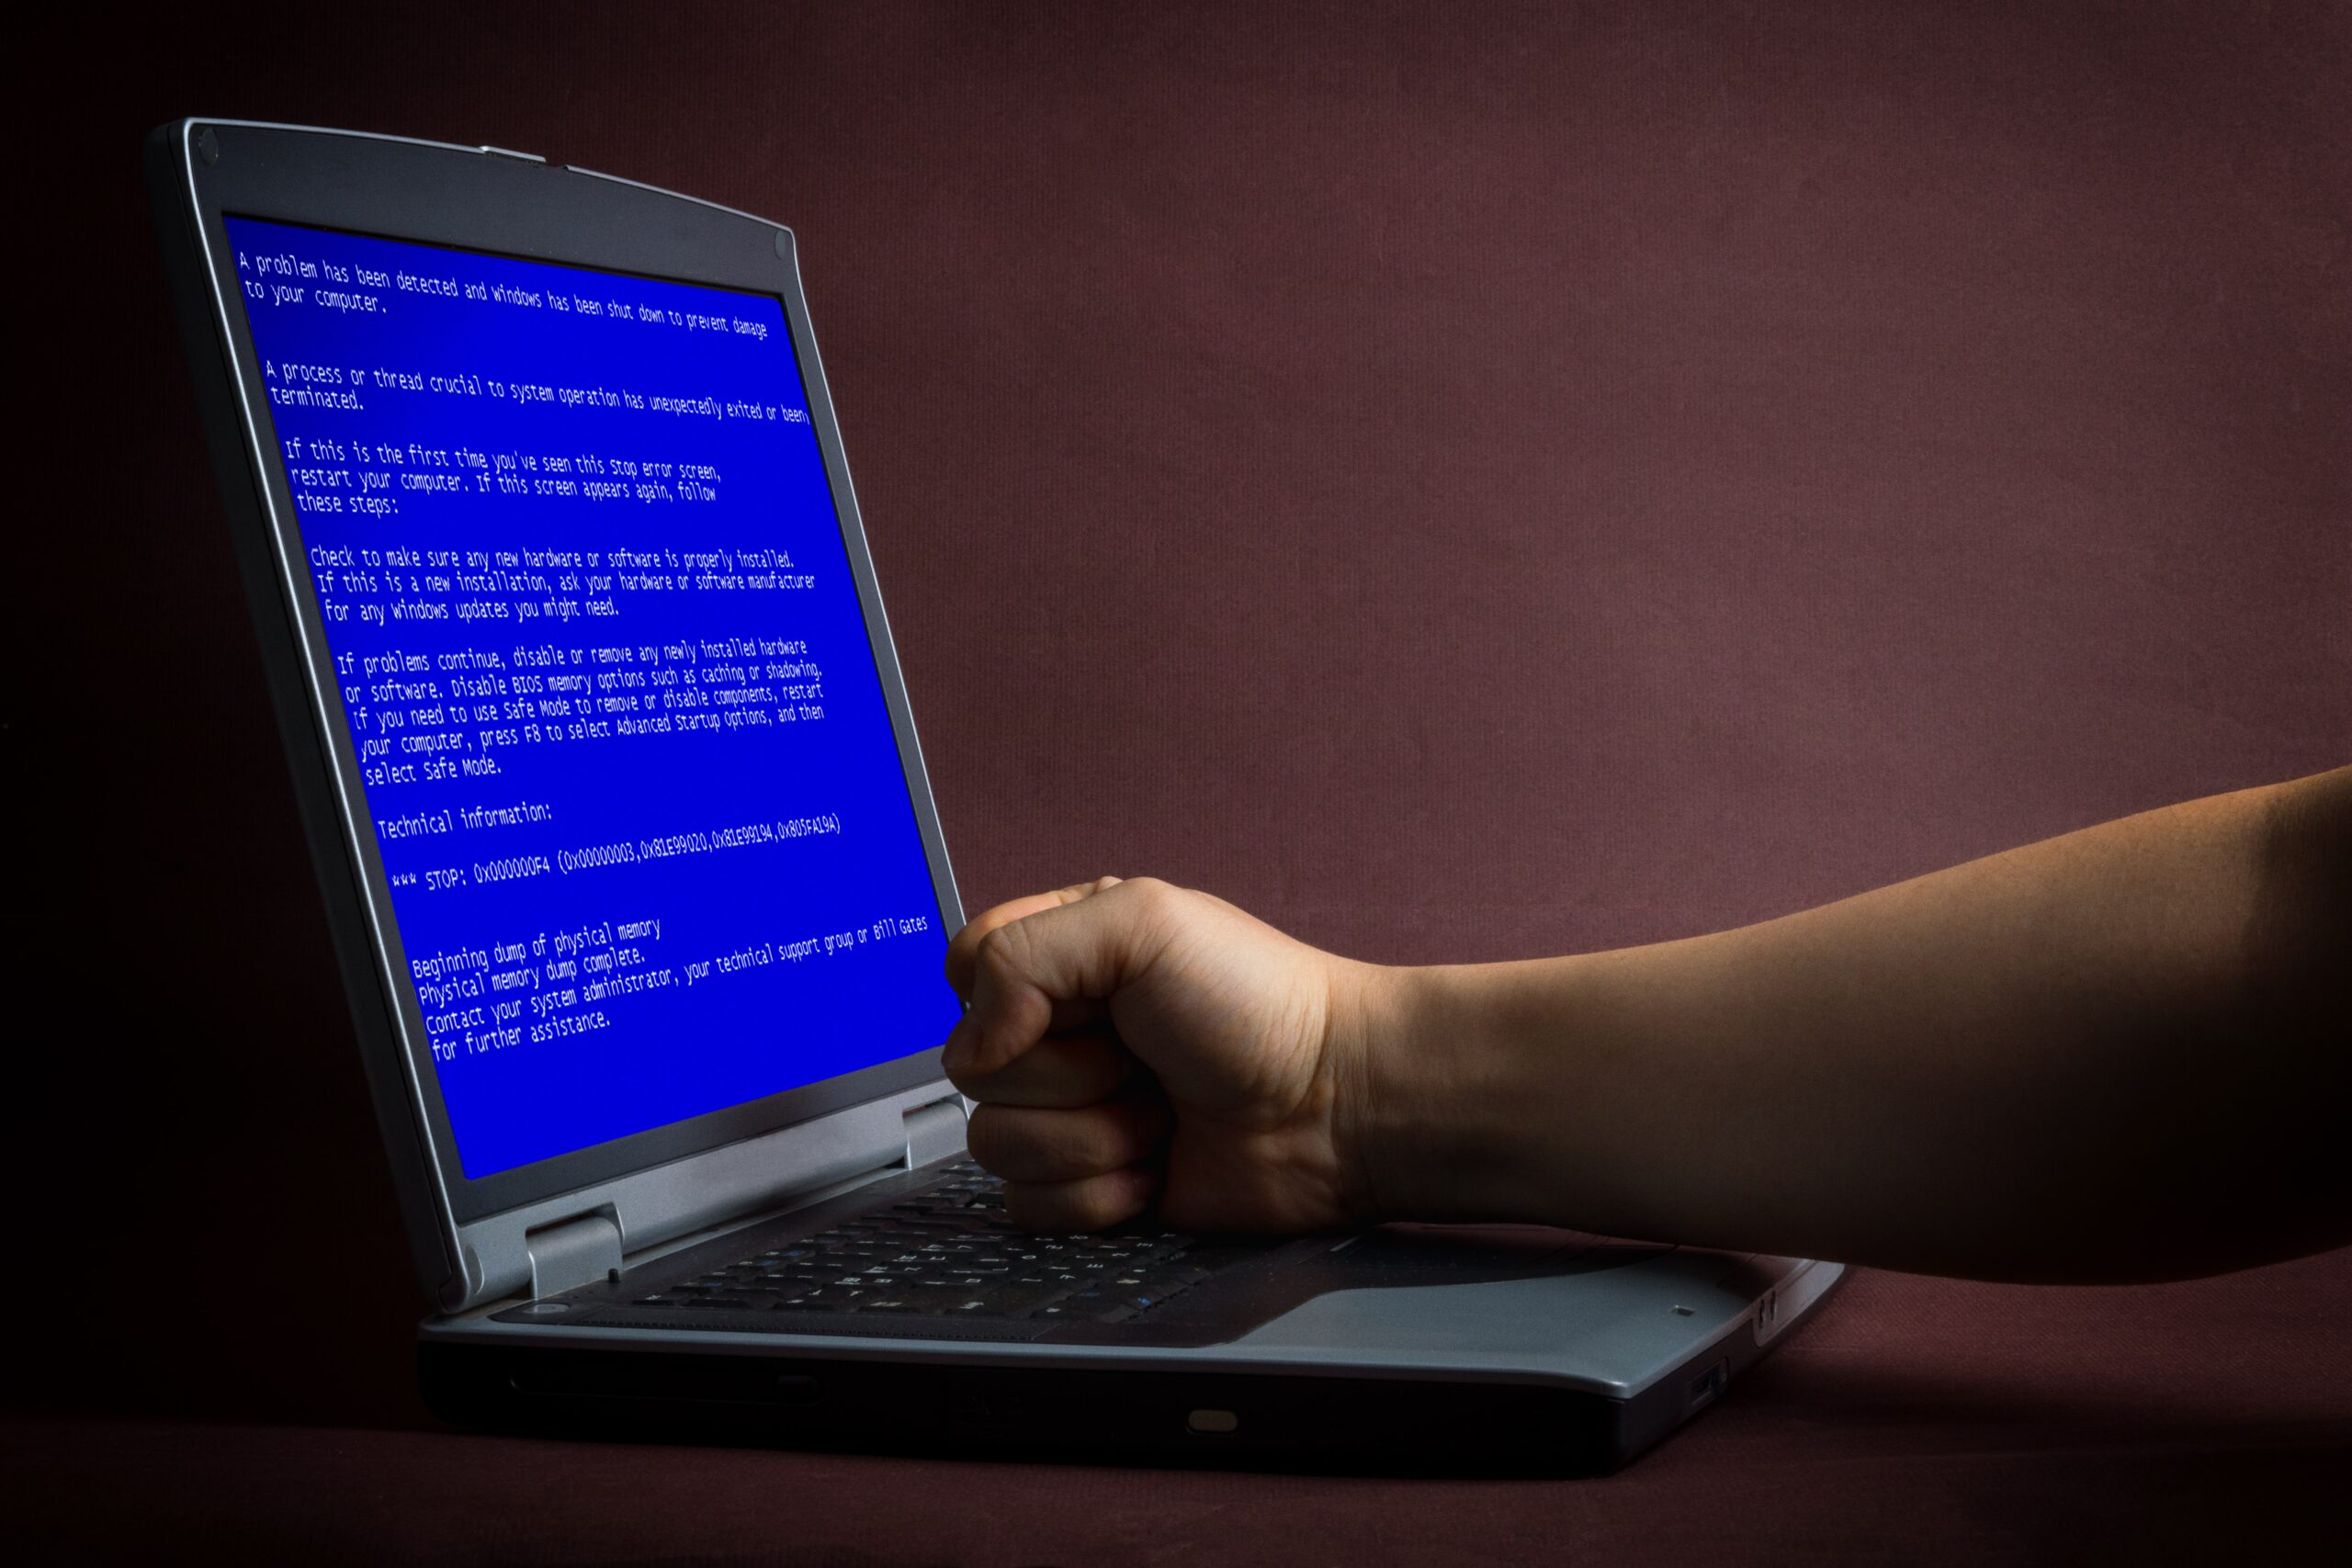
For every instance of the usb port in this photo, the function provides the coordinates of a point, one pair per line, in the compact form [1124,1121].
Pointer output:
[1709,1383]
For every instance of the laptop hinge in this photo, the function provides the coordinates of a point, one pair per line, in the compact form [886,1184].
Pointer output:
[935,1131]
[572,1253]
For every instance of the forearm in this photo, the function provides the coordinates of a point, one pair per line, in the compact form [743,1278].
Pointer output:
[2112,1054]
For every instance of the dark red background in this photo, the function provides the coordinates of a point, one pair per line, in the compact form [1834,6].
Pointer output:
[1463,482]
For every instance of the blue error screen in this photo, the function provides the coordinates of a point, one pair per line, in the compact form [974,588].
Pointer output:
[626,751]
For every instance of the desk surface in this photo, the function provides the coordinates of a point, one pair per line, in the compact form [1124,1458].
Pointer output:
[1917,1419]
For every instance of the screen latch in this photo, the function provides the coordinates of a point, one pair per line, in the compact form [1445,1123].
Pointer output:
[572,1253]
[935,1131]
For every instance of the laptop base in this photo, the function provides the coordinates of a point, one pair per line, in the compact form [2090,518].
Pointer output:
[1328,1413]
[1293,1422]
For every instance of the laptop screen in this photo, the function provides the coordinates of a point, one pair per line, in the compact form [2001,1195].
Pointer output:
[600,653]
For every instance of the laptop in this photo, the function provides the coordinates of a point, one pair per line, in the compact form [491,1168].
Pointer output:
[604,759]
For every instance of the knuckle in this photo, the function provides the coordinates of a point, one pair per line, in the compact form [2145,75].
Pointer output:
[998,953]
[1086,1207]
[1151,896]
[1087,1145]
[997,957]
[1099,1145]
[1118,1196]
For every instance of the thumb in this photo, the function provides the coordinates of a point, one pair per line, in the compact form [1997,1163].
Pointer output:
[962,953]
[1033,972]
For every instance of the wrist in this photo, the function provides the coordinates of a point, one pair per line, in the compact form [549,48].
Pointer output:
[1422,1132]
[1359,1036]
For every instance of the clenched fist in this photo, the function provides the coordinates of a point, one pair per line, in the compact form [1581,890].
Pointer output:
[1134,1044]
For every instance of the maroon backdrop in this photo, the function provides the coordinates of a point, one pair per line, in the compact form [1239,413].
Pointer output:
[1461,482]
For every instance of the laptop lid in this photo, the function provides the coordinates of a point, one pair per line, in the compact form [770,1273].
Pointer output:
[601,738]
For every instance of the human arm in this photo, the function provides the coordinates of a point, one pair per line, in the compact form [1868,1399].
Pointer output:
[2120,1053]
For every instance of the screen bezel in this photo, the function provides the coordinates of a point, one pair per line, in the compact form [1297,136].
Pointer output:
[484,201]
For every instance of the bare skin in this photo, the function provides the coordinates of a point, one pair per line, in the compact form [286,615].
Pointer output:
[2121,1054]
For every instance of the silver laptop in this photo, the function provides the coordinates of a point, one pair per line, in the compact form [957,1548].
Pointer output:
[640,900]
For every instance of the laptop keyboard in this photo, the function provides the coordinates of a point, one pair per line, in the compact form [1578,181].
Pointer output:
[948,1251]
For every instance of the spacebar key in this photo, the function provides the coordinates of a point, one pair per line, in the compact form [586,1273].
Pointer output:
[1003,1301]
